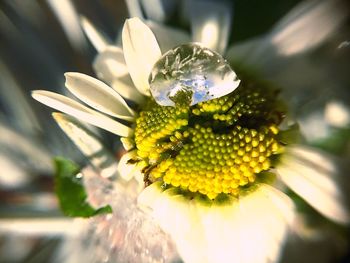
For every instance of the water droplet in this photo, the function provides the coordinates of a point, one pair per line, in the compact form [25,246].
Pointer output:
[191,74]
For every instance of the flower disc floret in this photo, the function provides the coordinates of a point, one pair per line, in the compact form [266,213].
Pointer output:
[216,147]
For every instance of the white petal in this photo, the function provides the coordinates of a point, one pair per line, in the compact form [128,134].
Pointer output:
[110,66]
[98,95]
[128,143]
[39,226]
[141,52]
[95,37]
[178,218]
[67,16]
[337,113]
[127,91]
[159,10]
[88,144]
[308,25]
[81,112]
[155,9]
[232,231]
[211,23]
[316,157]
[129,170]
[269,231]
[305,27]
[168,37]
[134,8]
[250,230]
[308,174]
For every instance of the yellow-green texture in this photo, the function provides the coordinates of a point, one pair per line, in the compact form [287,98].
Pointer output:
[215,147]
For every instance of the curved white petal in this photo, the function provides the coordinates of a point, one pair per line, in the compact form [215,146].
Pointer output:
[128,143]
[249,230]
[127,91]
[211,23]
[129,170]
[141,52]
[66,14]
[110,66]
[313,177]
[179,218]
[156,9]
[308,25]
[81,112]
[304,28]
[316,157]
[95,37]
[168,37]
[98,95]
[88,144]
[134,8]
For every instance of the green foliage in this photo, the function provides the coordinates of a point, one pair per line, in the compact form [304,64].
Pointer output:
[71,193]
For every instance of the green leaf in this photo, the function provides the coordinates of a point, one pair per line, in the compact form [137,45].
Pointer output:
[71,193]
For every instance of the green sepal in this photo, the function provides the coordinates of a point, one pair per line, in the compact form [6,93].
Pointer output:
[266,178]
[291,135]
[70,191]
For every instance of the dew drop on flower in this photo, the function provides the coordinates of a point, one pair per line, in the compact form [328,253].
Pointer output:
[190,74]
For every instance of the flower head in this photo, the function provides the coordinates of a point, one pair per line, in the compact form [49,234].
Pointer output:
[209,145]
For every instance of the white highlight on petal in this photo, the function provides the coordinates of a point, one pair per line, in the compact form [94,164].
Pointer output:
[317,158]
[134,8]
[211,23]
[141,52]
[129,170]
[128,91]
[12,175]
[313,177]
[337,114]
[314,126]
[249,230]
[178,217]
[81,112]
[110,66]
[68,17]
[95,37]
[88,144]
[40,226]
[155,9]
[98,95]
[308,25]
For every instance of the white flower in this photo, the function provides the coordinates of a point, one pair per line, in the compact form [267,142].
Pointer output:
[249,225]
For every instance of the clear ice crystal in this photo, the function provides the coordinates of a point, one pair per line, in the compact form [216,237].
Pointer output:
[191,69]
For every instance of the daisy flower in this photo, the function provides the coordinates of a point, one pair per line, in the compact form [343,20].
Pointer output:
[211,148]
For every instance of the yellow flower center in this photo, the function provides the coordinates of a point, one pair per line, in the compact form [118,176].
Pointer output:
[214,147]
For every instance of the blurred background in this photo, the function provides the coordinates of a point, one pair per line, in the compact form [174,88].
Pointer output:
[42,39]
